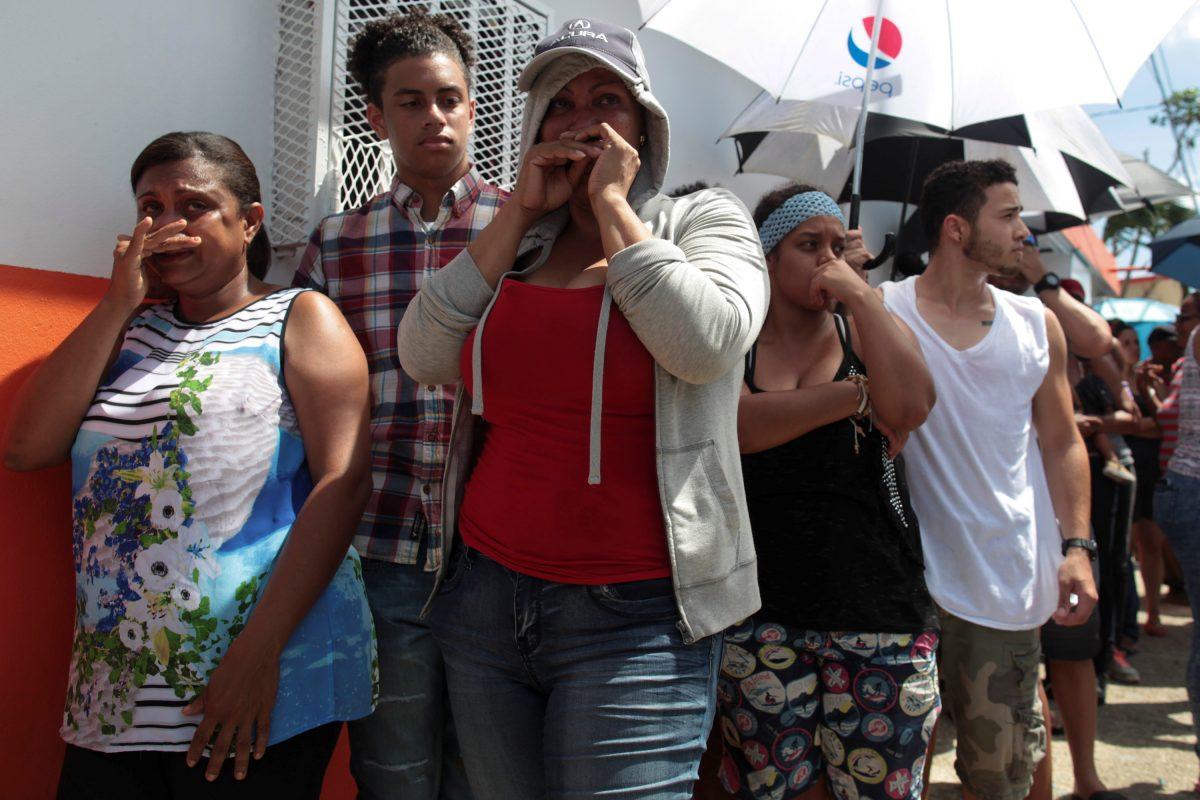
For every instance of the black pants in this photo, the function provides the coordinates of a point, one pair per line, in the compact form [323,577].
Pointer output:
[294,768]
[1112,507]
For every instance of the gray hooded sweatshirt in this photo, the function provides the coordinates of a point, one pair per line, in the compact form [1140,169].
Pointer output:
[696,296]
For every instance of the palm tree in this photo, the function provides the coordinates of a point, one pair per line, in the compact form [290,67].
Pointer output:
[1130,231]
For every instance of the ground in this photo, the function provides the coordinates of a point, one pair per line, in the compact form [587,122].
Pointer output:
[1144,742]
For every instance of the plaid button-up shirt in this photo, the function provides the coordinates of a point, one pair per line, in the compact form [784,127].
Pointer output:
[371,261]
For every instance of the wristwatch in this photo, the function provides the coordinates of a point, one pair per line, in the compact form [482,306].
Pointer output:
[1086,544]
[1049,281]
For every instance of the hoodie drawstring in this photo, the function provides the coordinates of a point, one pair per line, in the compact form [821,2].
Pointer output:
[597,412]
[477,356]
[598,360]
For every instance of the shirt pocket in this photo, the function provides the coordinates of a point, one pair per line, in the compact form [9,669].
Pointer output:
[702,510]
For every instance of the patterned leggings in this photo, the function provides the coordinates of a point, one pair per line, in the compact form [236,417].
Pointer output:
[878,701]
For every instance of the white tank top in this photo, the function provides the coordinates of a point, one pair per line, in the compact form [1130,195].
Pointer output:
[991,540]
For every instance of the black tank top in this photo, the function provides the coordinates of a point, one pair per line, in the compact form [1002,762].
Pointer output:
[838,544]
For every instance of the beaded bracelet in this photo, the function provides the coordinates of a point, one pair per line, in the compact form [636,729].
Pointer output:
[864,408]
[864,395]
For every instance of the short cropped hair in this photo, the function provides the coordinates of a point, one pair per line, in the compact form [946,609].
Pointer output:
[406,35]
[958,187]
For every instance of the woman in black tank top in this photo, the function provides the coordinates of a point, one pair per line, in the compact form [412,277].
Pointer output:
[846,636]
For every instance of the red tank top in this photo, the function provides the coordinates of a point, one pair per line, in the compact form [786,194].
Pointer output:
[528,504]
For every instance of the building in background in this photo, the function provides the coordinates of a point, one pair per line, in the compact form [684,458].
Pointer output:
[1140,282]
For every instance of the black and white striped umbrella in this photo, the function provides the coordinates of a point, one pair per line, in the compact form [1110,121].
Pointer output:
[1064,165]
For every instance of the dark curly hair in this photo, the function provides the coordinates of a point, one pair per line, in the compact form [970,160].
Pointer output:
[958,187]
[405,35]
[237,175]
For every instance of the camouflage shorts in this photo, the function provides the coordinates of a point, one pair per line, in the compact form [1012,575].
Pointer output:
[990,691]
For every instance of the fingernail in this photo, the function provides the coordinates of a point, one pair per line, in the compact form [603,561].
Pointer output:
[191,762]
[241,774]
[210,777]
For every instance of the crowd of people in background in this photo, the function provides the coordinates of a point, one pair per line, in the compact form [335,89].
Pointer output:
[548,492]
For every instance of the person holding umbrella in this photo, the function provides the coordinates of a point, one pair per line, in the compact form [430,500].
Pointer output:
[999,474]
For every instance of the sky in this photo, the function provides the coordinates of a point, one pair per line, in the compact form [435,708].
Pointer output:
[1131,130]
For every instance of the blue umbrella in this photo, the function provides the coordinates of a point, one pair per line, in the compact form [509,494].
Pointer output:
[1176,253]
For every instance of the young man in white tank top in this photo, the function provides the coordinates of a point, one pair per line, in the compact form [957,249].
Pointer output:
[998,474]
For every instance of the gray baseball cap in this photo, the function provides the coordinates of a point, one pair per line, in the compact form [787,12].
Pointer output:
[613,45]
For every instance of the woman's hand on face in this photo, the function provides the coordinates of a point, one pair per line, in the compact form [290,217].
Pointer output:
[236,707]
[551,173]
[130,280]
[837,279]
[617,165]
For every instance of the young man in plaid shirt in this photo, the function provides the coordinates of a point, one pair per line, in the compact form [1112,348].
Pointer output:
[415,72]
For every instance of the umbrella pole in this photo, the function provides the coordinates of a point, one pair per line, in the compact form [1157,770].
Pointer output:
[860,136]
[912,171]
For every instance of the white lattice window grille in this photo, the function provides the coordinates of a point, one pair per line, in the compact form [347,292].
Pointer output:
[327,158]
[293,165]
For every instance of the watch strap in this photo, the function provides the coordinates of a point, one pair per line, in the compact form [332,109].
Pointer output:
[1086,544]
[1049,281]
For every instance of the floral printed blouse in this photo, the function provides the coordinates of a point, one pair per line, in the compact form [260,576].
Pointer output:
[187,474]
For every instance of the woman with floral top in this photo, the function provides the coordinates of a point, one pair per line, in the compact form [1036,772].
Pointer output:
[218,448]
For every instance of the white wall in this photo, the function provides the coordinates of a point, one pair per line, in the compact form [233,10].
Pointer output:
[87,84]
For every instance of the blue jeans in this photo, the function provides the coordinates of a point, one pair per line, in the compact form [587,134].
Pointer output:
[1177,510]
[407,748]
[569,691]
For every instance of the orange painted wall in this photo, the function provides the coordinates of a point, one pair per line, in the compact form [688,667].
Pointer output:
[1092,247]
[38,308]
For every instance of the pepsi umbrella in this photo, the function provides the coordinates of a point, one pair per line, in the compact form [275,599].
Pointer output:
[947,64]
[1176,253]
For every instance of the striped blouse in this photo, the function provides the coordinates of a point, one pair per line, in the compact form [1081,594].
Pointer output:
[1179,417]
[187,474]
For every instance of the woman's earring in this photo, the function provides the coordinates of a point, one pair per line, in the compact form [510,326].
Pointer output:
[641,140]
